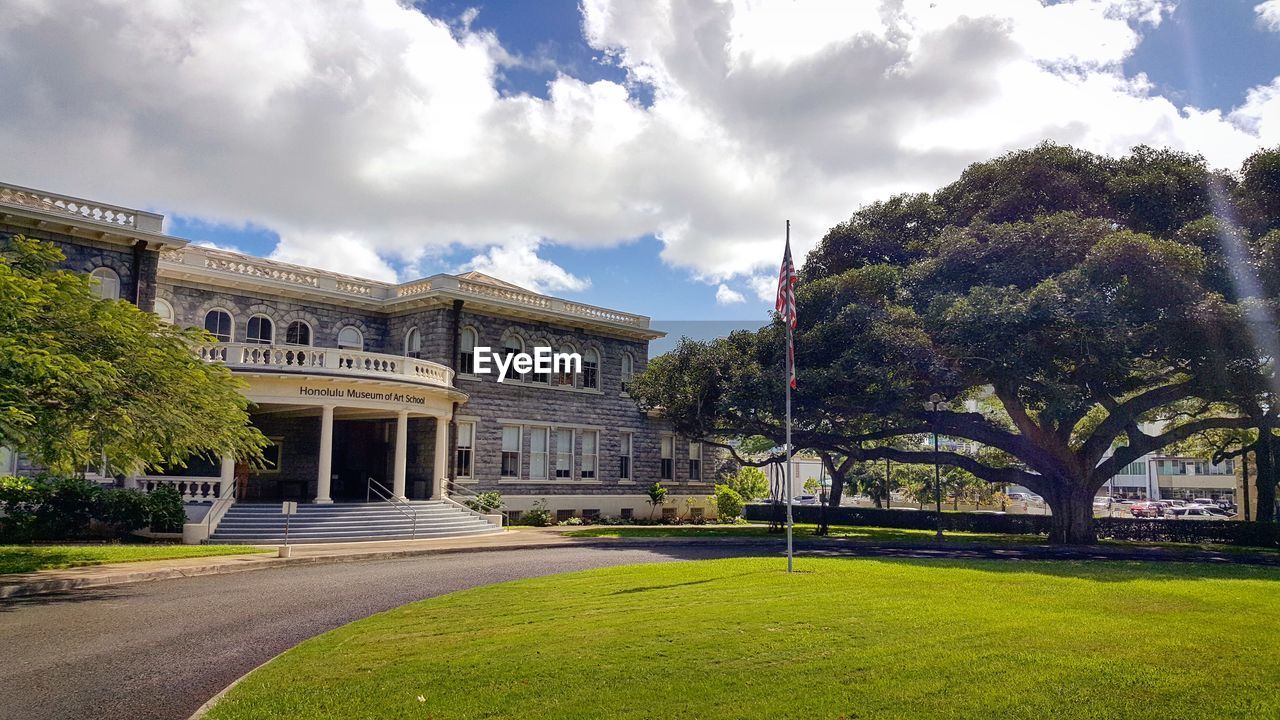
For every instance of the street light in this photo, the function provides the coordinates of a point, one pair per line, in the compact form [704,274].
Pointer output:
[935,401]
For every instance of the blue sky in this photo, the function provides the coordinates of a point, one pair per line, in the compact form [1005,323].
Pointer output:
[640,156]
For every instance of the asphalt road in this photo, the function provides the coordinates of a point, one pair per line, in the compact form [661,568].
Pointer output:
[161,649]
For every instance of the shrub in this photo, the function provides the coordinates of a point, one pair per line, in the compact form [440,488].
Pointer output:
[750,483]
[537,516]
[165,511]
[657,496]
[125,510]
[66,509]
[572,521]
[728,503]
[1220,532]
[485,502]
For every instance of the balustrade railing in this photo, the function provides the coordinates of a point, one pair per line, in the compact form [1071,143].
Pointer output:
[356,363]
[192,489]
[80,208]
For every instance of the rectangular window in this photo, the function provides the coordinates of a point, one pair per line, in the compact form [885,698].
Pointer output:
[590,443]
[562,515]
[466,445]
[624,457]
[591,514]
[1137,467]
[271,456]
[625,514]
[564,453]
[510,451]
[538,453]
[668,458]
[695,461]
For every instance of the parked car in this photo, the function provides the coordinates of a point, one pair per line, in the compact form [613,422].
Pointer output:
[1204,501]
[1146,510]
[1019,497]
[1102,501]
[1193,512]
[805,500]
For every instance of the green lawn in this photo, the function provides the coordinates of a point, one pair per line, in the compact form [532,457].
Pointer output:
[801,531]
[841,638]
[26,558]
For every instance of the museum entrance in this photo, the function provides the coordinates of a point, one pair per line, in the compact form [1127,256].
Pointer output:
[361,450]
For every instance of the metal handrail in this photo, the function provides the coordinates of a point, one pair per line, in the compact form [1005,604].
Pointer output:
[223,503]
[375,488]
[468,493]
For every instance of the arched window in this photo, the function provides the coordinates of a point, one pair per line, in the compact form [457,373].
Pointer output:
[163,310]
[513,345]
[564,373]
[105,284]
[413,343]
[298,333]
[628,369]
[218,323]
[467,352]
[591,369]
[350,338]
[260,331]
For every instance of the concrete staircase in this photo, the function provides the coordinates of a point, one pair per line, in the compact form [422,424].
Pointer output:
[252,523]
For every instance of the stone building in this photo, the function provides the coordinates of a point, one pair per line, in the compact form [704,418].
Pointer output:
[362,385]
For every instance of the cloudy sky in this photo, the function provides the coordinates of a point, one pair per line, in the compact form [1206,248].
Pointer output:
[639,155]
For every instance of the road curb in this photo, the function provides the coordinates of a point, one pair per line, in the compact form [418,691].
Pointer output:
[247,564]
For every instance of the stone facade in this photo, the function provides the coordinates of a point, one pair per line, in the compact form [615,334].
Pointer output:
[605,411]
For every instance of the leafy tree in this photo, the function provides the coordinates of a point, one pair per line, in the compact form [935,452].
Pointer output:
[749,482]
[82,378]
[1074,325]
[657,496]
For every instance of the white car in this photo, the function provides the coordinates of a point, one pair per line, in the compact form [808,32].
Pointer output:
[1102,502]
[805,500]
[1194,512]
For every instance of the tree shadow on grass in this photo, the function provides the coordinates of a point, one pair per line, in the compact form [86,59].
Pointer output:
[1088,562]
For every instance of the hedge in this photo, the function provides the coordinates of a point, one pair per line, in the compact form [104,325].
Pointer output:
[53,508]
[1220,532]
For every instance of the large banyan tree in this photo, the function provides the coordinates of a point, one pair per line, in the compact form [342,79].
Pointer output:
[1079,312]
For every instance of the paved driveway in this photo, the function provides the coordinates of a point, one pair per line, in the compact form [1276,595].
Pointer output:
[161,649]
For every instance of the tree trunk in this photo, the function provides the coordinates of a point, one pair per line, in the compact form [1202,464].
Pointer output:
[1265,484]
[833,501]
[1072,519]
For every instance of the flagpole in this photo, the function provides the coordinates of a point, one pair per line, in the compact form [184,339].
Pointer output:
[790,362]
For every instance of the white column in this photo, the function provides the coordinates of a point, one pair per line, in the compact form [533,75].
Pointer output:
[227,478]
[442,458]
[324,475]
[402,453]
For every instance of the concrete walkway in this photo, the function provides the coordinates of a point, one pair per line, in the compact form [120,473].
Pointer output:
[52,581]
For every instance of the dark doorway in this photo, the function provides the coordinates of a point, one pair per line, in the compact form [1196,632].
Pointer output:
[360,450]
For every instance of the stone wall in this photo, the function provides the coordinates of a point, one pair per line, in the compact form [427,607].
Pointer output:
[192,302]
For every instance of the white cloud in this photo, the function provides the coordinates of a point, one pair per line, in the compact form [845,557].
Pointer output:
[518,263]
[370,136]
[726,295]
[1268,14]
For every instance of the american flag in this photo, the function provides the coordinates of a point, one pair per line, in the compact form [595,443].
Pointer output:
[786,305]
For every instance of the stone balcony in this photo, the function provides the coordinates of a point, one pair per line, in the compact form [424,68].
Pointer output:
[354,364]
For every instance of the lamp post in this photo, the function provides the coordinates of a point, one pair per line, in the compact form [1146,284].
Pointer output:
[936,401]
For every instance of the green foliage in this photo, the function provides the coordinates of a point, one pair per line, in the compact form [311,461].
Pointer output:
[657,494]
[536,516]
[1058,297]
[82,378]
[750,482]
[165,511]
[485,502]
[729,504]
[61,508]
